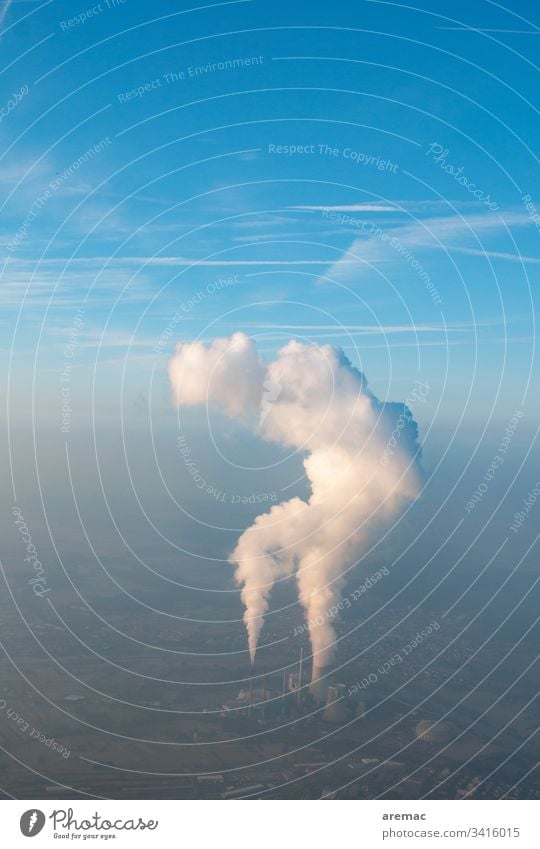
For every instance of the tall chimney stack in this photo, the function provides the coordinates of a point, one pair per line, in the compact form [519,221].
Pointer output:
[250,695]
[319,682]
[300,677]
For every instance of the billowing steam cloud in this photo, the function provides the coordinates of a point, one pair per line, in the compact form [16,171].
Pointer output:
[361,461]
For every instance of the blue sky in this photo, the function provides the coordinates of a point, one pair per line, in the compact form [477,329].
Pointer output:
[362,175]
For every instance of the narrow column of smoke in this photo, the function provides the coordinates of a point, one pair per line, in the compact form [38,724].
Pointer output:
[313,399]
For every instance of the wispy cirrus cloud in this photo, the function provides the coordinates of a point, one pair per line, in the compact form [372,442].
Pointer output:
[378,328]
[351,207]
[4,9]
[171,261]
[94,338]
[453,233]
[488,254]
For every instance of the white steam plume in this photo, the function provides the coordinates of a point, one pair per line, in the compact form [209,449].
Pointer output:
[361,461]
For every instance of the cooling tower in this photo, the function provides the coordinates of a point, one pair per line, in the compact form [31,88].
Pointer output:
[337,708]
[319,683]
[429,731]
[292,682]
